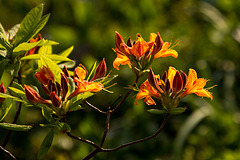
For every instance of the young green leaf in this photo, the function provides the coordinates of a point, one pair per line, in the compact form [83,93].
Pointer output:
[157,111]
[31,25]
[15,127]
[92,70]
[46,144]
[5,106]
[2,95]
[47,115]
[12,32]
[177,110]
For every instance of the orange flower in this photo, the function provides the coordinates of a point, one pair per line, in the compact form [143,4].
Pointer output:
[196,85]
[80,74]
[45,75]
[140,53]
[172,87]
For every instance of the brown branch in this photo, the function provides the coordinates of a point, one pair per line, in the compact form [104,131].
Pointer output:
[125,97]
[7,152]
[84,140]
[101,149]
[93,107]
[140,140]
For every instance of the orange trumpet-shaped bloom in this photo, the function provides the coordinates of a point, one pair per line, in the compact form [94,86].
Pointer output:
[196,85]
[141,51]
[80,74]
[172,87]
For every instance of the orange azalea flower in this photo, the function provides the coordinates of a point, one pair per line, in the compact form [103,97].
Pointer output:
[141,51]
[172,87]
[80,74]
[45,75]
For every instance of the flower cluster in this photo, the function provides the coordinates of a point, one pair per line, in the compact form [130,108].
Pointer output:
[172,87]
[139,54]
[59,93]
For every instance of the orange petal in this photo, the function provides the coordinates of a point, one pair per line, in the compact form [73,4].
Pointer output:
[121,59]
[165,51]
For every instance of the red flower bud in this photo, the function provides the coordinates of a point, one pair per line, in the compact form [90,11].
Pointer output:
[158,44]
[153,81]
[65,71]
[33,96]
[2,90]
[100,71]
[56,101]
[64,85]
[177,83]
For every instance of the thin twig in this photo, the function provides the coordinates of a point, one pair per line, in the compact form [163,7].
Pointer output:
[84,140]
[7,152]
[125,97]
[93,107]
[9,133]
[106,128]
[140,140]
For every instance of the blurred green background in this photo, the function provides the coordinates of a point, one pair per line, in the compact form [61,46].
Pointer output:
[210,35]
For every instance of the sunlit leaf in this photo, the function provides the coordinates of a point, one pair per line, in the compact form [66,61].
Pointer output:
[15,127]
[47,115]
[177,110]
[2,95]
[66,53]
[31,25]
[92,70]
[157,111]
[5,106]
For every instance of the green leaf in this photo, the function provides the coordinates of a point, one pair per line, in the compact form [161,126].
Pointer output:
[3,64]
[15,127]
[2,29]
[64,127]
[31,25]
[157,111]
[2,95]
[30,57]
[55,57]
[46,144]
[71,85]
[18,86]
[14,68]
[68,64]
[5,43]
[177,110]
[5,106]
[45,50]
[106,80]
[47,115]
[12,32]
[92,70]
[23,47]
[65,53]
[19,92]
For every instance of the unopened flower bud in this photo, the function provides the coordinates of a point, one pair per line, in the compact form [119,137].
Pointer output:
[153,81]
[2,90]
[33,96]
[56,101]
[177,83]
[101,70]
[64,85]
